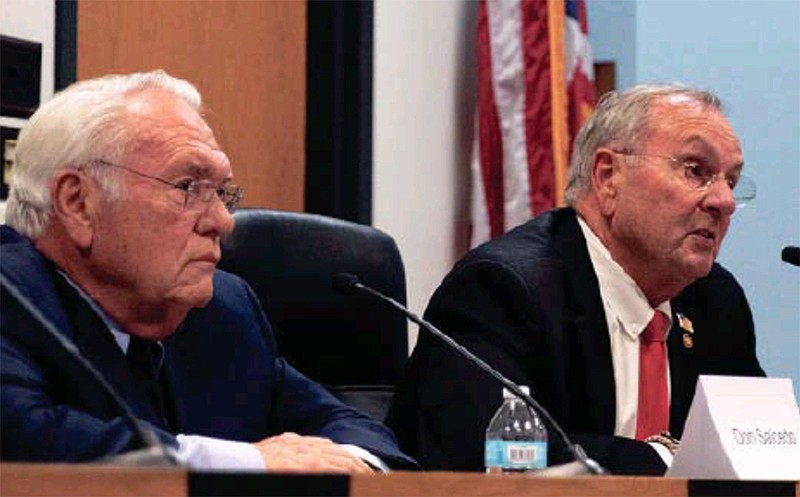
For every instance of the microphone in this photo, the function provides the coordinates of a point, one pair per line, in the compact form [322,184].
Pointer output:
[154,452]
[791,255]
[350,285]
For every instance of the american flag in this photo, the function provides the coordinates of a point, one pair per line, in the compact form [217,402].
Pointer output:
[535,89]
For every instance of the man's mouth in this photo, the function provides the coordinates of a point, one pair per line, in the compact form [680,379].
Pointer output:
[705,233]
[210,258]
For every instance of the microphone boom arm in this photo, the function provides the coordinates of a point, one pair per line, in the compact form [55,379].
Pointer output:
[576,450]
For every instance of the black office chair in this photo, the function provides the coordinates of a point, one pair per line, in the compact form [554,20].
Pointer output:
[354,345]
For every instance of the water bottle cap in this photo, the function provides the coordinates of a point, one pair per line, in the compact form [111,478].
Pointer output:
[508,394]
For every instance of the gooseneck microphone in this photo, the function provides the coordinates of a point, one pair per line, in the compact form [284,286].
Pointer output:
[349,284]
[154,452]
[791,255]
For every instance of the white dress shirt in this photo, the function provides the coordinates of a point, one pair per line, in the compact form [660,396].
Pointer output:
[627,314]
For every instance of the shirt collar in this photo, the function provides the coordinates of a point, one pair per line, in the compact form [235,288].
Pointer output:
[123,339]
[619,291]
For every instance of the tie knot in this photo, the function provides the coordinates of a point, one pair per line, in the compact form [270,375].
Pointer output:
[656,330]
[145,356]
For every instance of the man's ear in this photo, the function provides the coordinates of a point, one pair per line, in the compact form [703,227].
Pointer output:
[605,179]
[75,198]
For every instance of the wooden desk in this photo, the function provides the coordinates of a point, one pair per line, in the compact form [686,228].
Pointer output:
[478,484]
[90,480]
[95,480]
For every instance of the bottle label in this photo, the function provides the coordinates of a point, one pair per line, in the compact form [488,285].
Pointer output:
[519,456]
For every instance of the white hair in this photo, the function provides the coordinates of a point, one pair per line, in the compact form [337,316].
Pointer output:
[81,124]
[621,120]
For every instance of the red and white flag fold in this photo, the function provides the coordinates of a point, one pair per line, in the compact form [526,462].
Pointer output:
[535,89]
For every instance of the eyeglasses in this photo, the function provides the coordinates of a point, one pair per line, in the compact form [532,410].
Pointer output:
[700,177]
[197,191]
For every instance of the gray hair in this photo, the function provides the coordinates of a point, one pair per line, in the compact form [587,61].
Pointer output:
[81,124]
[621,120]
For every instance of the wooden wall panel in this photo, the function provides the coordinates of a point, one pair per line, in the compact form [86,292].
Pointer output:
[605,77]
[248,58]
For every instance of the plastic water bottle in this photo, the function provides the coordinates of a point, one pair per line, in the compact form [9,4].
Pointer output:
[516,439]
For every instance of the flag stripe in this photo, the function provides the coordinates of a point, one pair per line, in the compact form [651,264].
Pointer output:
[489,138]
[534,90]
[579,63]
[538,122]
[505,25]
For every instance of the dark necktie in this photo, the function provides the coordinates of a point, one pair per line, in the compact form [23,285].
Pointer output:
[652,414]
[145,358]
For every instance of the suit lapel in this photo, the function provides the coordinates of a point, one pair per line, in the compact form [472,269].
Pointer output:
[591,331]
[97,344]
[682,370]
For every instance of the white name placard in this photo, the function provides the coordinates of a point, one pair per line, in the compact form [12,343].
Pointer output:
[740,429]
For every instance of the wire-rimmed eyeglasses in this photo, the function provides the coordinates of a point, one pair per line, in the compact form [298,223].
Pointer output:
[194,189]
[700,177]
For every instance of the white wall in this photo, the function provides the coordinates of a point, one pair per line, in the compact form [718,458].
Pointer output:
[424,98]
[31,20]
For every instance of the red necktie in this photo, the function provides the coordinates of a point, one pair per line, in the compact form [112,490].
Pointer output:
[652,415]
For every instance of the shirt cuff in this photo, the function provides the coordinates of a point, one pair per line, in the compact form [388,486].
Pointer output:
[213,454]
[663,452]
[367,457]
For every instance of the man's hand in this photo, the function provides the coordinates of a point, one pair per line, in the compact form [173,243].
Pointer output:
[292,453]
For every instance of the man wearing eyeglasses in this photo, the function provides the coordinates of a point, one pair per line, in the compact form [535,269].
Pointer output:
[120,198]
[608,309]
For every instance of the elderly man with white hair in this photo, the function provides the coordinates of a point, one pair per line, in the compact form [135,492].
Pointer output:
[120,198]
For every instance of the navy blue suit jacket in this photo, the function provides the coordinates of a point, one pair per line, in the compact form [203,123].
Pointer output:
[224,376]
[529,304]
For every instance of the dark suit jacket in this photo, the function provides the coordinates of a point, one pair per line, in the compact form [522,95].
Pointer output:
[529,304]
[223,371]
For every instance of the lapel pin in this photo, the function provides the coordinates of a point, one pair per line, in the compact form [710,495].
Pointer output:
[688,330]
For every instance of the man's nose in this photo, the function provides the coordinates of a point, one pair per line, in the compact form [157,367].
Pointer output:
[719,198]
[216,219]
